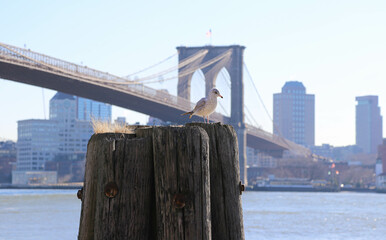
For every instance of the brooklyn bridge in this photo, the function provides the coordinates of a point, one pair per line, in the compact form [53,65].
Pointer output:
[25,66]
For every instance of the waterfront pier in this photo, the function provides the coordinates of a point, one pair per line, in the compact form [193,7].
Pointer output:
[177,182]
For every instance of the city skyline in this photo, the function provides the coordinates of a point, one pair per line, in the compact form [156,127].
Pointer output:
[335,48]
[64,133]
[63,137]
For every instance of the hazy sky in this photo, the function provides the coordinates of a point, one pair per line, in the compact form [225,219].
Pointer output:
[336,48]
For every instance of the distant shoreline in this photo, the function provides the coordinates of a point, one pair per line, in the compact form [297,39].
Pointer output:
[51,186]
[77,186]
[310,189]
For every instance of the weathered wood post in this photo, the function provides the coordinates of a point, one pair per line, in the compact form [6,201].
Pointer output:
[118,193]
[151,185]
[226,210]
[181,173]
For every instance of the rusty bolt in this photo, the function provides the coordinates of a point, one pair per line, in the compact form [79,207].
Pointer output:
[241,187]
[111,189]
[79,194]
[179,200]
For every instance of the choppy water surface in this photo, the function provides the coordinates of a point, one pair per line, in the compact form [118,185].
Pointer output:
[54,214]
[289,215]
[39,214]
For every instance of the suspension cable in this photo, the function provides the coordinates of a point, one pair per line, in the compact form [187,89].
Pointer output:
[257,92]
[182,74]
[154,65]
[183,63]
[265,108]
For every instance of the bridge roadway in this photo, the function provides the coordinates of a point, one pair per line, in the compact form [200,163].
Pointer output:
[24,66]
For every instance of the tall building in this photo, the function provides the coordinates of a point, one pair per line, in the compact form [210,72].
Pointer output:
[294,114]
[62,138]
[88,109]
[368,124]
[37,142]
[72,133]
[41,140]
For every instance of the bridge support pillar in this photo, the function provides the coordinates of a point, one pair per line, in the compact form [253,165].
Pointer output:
[237,107]
[242,141]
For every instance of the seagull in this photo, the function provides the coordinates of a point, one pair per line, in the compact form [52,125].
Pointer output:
[205,106]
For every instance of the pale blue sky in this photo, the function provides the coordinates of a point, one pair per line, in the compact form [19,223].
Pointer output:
[336,48]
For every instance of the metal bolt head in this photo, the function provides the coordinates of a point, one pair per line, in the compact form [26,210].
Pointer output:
[111,189]
[79,194]
[179,200]
[241,187]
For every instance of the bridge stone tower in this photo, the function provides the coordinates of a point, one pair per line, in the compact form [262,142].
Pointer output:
[233,63]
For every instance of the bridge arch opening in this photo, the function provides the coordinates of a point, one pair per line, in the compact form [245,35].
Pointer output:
[222,82]
[197,86]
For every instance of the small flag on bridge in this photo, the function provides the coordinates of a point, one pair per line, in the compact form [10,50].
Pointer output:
[209,33]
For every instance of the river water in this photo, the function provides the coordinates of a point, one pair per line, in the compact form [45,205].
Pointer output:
[54,214]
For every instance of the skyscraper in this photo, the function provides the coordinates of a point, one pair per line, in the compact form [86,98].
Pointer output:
[87,109]
[294,114]
[41,140]
[368,123]
[37,143]
[72,133]
[63,137]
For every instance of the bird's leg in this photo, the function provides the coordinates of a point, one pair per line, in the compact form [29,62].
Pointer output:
[208,118]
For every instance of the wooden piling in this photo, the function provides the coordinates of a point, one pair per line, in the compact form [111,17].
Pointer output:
[151,185]
[181,173]
[117,199]
[225,188]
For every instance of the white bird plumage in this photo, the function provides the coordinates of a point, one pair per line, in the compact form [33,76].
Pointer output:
[205,106]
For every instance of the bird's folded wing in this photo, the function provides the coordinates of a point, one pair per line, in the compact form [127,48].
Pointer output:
[199,104]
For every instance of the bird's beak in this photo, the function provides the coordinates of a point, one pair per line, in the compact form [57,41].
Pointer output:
[220,96]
